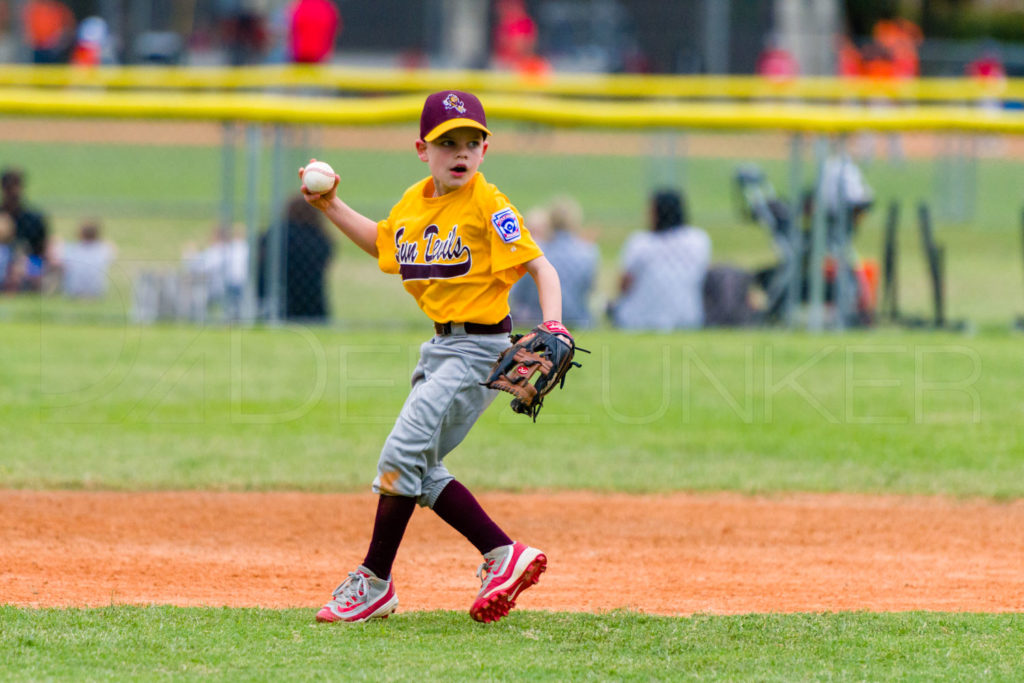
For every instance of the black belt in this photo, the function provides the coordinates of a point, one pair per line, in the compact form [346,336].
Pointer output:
[449,328]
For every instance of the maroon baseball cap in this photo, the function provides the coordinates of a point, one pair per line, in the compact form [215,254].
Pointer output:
[450,109]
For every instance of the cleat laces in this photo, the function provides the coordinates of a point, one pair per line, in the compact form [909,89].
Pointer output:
[352,590]
[486,569]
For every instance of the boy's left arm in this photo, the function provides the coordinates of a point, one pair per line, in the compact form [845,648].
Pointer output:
[549,287]
[547,349]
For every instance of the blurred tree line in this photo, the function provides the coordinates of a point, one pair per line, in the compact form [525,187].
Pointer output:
[1001,20]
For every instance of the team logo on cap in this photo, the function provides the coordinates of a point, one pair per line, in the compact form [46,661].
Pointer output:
[507,225]
[454,102]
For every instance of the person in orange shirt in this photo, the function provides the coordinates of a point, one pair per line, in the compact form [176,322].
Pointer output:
[878,64]
[459,245]
[901,38]
[50,29]
[515,40]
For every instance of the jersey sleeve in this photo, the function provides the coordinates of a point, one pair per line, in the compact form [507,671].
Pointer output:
[511,243]
[386,251]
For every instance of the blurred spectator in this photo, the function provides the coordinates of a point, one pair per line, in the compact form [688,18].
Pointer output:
[313,27]
[900,38]
[515,39]
[245,34]
[727,297]
[306,252]
[556,230]
[663,270]
[85,263]
[574,258]
[50,30]
[6,248]
[876,62]
[523,299]
[223,268]
[777,63]
[93,45]
[31,232]
[890,57]
[988,68]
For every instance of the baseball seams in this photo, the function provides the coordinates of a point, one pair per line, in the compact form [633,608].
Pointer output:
[318,177]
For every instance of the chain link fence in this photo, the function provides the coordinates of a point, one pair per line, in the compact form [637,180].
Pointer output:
[201,223]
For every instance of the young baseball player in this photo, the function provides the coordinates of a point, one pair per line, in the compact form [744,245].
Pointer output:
[459,246]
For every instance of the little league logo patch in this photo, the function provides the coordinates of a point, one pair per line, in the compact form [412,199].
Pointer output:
[454,102]
[507,225]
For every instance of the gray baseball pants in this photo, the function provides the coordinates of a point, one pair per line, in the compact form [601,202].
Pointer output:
[445,401]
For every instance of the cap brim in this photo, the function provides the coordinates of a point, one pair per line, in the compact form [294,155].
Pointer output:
[451,124]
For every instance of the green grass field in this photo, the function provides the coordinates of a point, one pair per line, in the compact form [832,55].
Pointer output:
[231,408]
[160,642]
[89,401]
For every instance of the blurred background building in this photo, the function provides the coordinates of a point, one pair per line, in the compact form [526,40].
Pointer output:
[682,36]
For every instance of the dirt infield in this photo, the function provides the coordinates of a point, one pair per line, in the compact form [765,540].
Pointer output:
[671,554]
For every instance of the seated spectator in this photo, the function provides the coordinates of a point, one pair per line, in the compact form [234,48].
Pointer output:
[663,271]
[574,258]
[86,263]
[522,299]
[6,249]
[306,253]
[31,232]
[727,297]
[556,230]
[223,267]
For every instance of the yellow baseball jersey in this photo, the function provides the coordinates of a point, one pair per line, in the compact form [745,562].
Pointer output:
[458,254]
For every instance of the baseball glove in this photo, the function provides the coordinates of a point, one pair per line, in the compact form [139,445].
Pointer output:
[547,350]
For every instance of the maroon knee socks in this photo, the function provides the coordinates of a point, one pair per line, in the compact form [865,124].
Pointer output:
[457,506]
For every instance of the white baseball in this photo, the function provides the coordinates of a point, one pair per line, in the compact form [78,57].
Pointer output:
[318,177]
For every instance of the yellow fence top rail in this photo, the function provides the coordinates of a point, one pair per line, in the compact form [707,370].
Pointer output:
[380,80]
[284,109]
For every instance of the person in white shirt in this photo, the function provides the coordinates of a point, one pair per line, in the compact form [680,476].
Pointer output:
[223,267]
[663,271]
[86,263]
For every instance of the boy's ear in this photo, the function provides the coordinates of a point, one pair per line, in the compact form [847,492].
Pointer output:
[421,150]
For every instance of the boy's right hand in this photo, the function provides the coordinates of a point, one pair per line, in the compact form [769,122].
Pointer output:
[320,200]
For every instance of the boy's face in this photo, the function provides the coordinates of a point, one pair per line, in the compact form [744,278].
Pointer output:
[453,158]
